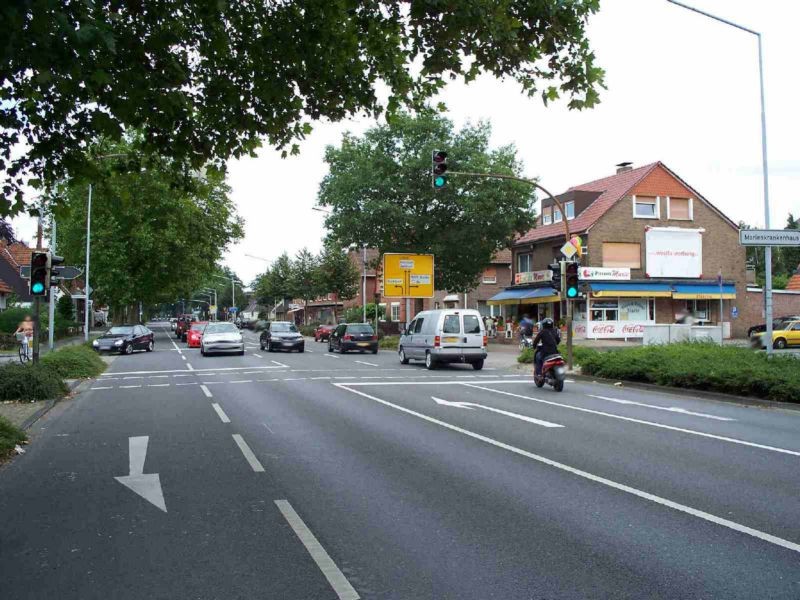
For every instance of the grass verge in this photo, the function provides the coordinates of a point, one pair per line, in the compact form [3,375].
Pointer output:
[26,382]
[10,436]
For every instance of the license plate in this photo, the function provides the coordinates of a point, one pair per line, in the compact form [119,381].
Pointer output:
[450,340]
[363,343]
[288,343]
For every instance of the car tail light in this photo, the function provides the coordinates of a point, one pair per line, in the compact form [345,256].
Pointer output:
[485,340]
[374,338]
[347,337]
[437,341]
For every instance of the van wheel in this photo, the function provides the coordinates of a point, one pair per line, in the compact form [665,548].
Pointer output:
[779,344]
[477,365]
[430,363]
[403,357]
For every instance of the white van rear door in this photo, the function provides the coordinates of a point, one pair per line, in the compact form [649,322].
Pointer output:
[473,333]
[451,331]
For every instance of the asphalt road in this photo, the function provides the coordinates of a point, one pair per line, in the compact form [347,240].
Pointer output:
[317,476]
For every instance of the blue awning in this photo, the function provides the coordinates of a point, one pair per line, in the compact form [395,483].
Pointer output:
[703,291]
[525,296]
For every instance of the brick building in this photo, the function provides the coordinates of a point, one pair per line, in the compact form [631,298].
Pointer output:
[653,249]
[12,257]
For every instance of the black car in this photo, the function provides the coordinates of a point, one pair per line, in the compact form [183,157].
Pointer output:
[281,335]
[125,339]
[353,336]
[777,323]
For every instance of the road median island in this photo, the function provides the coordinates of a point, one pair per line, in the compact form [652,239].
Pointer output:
[699,366]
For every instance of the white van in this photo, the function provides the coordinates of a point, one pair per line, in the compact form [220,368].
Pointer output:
[451,335]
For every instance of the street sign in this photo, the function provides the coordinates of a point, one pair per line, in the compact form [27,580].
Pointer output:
[769,237]
[734,313]
[64,272]
[605,273]
[533,276]
[568,249]
[408,275]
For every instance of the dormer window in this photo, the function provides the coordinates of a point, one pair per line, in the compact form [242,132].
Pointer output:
[547,215]
[569,207]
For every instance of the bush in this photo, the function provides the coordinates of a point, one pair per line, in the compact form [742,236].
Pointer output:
[11,317]
[702,366]
[74,362]
[307,330]
[10,436]
[389,341]
[8,341]
[579,354]
[526,356]
[26,382]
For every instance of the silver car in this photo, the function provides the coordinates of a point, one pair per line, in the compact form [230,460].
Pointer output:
[221,337]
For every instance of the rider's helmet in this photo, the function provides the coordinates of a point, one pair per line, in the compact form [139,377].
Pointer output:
[547,323]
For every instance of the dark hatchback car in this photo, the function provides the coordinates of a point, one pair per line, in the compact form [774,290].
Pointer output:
[353,336]
[125,339]
[281,335]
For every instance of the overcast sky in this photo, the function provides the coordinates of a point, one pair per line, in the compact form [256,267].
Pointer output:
[682,89]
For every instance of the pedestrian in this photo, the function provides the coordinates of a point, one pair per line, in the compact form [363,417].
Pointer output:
[24,334]
[487,323]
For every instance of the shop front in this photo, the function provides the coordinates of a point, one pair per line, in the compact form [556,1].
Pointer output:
[536,302]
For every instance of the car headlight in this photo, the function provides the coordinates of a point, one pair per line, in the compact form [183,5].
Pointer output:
[95,343]
[118,343]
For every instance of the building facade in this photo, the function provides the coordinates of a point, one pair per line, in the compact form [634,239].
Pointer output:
[654,252]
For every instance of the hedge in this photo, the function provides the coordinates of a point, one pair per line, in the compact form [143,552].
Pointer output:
[307,330]
[701,366]
[28,382]
[10,436]
[74,362]
[389,341]
[579,354]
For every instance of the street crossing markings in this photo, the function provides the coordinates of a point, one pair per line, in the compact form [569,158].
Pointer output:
[513,415]
[586,475]
[673,409]
[275,362]
[335,577]
[197,371]
[331,356]
[222,416]
[157,385]
[188,366]
[242,381]
[257,355]
[248,454]
[103,387]
[362,362]
[125,387]
[206,391]
[640,421]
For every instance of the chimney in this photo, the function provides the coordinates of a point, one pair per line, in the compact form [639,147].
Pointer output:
[624,167]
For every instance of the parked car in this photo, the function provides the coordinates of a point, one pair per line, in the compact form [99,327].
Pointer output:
[125,339]
[281,335]
[195,333]
[353,336]
[221,337]
[777,323]
[323,332]
[445,336]
[787,335]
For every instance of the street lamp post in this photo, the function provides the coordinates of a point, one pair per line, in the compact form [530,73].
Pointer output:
[764,170]
[88,246]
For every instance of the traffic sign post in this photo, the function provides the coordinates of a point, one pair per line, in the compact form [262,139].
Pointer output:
[408,276]
[64,273]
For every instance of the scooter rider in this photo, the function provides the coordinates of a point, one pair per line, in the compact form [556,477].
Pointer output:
[549,337]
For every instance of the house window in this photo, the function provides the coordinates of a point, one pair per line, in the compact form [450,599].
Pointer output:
[679,209]
[395,311]
[556,215]
[570,208]
[524,263]
[646,207]
[547,215]
[622,254]
[490,275]
[605,310]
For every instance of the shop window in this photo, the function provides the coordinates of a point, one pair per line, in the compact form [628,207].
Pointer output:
[524,263]
[547,215]
[580,310]
[679,209]
[569,207]
[698,309]
[605,310]
[395,311]
[646,207]
[622,254]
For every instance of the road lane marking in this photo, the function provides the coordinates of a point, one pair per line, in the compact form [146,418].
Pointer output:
[275,362]
[325,377]
[513,415]
[103,387]
[158,377]
[248,454]
[206,391]
[257,355]
[192,383]
[252,373]
[183,357]
[335,577]
[123,387]
[331,356]
[590,476]
[362,362]
[157,385]
[222,416]
[176,346]
[453,382]
[241,381]
[133,377]
[268,429]
[188,366]
[184,370]
[212,382]
[674,409]
[640,421]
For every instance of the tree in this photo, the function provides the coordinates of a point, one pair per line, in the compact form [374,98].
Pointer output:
[337,274]
[790,255]
[7,232]
[152,241]
[379,190]
[206,80]
[275,284]
[305,279]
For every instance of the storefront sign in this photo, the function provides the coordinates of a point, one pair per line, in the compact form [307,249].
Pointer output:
[616,329]
[674,252]
[633,310]
[533,276]
[604,273]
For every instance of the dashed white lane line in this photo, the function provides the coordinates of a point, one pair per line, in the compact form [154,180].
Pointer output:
[222,416]
[331,356]
[176,346]
[275,362]
[125,387]
[257,355]
[319,378]
[103,387]
[157,385]
[335,577]
[242,381]
[640,421]
[158,377]
[267,428]
[362,362]
[248,454]
[133,377]
[206,391]
[674,409]
[188,366]
[252,373]
[192,383]
[183,357]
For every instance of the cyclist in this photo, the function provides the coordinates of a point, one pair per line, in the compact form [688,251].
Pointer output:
[25,335]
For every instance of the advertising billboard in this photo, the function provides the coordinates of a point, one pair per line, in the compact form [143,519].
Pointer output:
[674,252]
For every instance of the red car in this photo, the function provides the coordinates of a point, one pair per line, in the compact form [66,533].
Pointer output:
[323,332]
[195,333]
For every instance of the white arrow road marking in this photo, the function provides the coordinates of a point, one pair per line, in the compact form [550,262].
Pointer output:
[471,405]
[674,409]
[147,486]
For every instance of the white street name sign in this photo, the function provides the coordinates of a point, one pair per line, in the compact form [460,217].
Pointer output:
[769,237]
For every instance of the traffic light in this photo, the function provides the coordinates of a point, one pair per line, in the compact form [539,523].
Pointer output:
[55,271]
[40,273]
[556,281]
[571,283]
[438,169]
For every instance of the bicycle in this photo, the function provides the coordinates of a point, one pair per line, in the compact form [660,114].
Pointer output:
[24,349]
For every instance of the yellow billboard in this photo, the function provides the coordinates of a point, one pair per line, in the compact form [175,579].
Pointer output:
[408,275]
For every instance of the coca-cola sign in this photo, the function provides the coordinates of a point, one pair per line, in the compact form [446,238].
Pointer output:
[604,273]
[617,329]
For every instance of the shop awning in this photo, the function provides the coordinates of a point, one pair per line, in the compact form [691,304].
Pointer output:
[703,291]
[525,296]
[631,290]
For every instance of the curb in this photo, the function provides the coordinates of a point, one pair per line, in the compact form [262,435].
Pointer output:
[704,394]
[72,384]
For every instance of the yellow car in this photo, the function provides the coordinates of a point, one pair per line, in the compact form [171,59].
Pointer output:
[788,335]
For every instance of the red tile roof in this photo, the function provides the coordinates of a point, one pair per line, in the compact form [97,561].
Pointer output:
[4,289]
[502,257]
[794,281]
[17,254]
[612,189]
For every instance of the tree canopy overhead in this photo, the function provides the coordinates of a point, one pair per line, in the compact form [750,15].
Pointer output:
[208,79]
[380,194]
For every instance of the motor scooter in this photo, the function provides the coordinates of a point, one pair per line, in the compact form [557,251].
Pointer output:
[554,371]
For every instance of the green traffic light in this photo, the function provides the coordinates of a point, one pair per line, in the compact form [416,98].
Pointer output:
[572,292]
[439,181]
[37,288]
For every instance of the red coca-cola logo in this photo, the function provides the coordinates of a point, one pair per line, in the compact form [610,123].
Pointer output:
[633,329]
[604,329]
